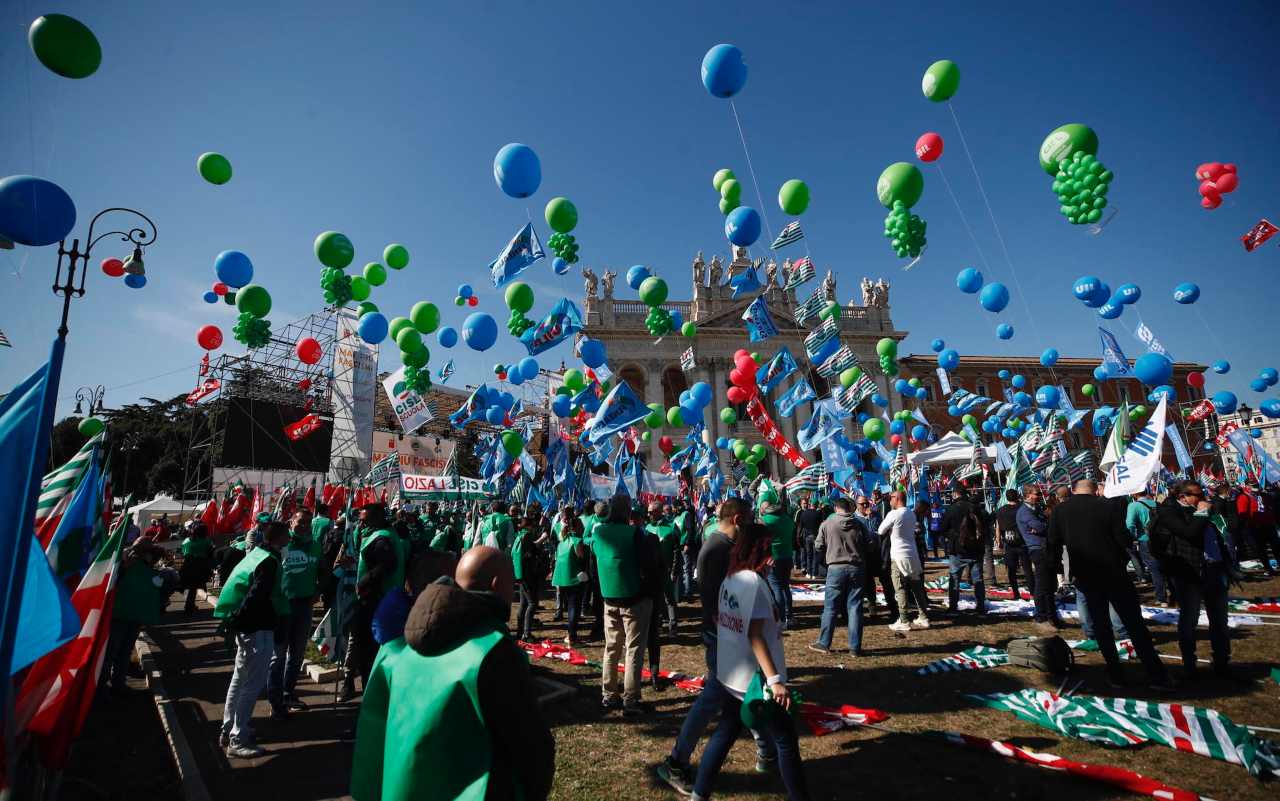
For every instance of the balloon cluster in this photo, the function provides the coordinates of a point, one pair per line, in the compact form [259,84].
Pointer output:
[1266,379]
[134,279]
[1216,180]
[562,216]
[1094,293]
[564,246]
[335,252]
[726,183]
[251,331]
[519,298]
[742,377]
[572,390]
[692,403]
[496,405]
[993,297]
[336,286]
[1081,182]
[524,370]
[910,388]
[653,292]
[887,350]
[898,189]
[466,296]
[417,379]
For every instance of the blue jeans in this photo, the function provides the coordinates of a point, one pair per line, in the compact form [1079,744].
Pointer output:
[779,730]
[704,709]
[1212,592]
[289,649]
[1086,620]
[959,565]
[1153,567]
[248,677]
[779,579]
[845,584]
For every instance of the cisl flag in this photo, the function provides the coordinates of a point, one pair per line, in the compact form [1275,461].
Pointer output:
[1141,459]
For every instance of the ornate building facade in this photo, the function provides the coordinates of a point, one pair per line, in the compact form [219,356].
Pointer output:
[653,369]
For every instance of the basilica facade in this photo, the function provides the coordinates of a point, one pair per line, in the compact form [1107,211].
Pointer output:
[654,368]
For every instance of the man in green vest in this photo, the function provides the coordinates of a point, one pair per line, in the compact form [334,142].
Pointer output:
[599,514]
[619,548]
[137,604]
[496,529]
[251,603]
[783,530]
[300,561]
[379,569]
[664,528]
[450,711]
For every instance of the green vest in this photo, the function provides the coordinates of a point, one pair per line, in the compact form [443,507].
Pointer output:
[320,527]
[421,735]
[503,531]
[684,524]
[568,563]
[201,547]
[616,559]
[301,563]
[440,541]
[589,523]
[396,578]
[517,554]
[783,529]
[237,587]
[668,537]
[137,596]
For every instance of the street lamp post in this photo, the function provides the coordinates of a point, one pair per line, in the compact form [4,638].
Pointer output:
[92,396]
[140,237]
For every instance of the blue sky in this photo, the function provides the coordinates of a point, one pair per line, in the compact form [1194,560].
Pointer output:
[384,124]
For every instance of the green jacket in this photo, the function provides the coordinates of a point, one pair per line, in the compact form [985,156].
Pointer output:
[568,563]
[301,563]
[233,593]
[395,578]
[137,595]
[616,559]
[320,527]
[502,529]
[201,547]
[783,529]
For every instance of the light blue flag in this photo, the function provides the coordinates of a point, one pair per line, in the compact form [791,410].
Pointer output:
[773,372]
[472,409]
[680,459]
[919,417]
[527,465]
[833,449]
[1179,447]
[563,321]
[759,322]
[523,249]
[800,392]
[620,409]
[1113,359]
[821,426]
[745,283]
[1076,417]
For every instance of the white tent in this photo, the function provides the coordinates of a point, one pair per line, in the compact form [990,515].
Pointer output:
[178,511]
[951,449]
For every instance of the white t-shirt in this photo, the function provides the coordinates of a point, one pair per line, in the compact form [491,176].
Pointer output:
[744,596]
[900,524]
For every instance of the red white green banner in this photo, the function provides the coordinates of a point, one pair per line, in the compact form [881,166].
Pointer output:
[773,435]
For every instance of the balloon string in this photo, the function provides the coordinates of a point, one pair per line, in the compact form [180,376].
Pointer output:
[1212,334]
[963,219]
[750,168]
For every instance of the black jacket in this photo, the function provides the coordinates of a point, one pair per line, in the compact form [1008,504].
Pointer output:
[954,517]
[523,747]
[1092,529]
[1007,519]
[257,612]
[1177,539]
[1227,508]
[381,558]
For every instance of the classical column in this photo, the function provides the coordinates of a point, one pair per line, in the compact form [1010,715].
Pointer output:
[653,394]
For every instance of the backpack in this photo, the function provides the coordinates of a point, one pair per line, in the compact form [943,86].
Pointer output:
[971,533]
[1046,654]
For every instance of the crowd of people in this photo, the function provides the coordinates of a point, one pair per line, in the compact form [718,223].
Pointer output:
[429,596]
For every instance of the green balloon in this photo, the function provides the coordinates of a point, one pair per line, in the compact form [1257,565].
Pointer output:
[832,309]
[873,429]
[674,418]
[756,357]
[1087,390]
[731,190]
[561,214]
[365,307]
[416,359]
[969,420]
[689,329]
[375,274]
[214,168]
[519,297]
[653,291]
[720,177]
[512,443]
[848,377]
[396,256]
[459,301]
[397,325]
[334,250]
[253,299]
[1063,142]
[740,450]
[752,471]
[574,379]
[91,426]
[653,420]
[65,45]
[915,382]
[728,415]
[727,206]
[793,197]
[887,347]
[941,80]
[900,182]
[645,436]
[409,340]
[360,288]
[425,317]
[759,450]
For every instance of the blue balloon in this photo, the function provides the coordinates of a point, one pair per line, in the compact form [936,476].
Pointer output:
[1049,358]
[994,297]
[1222,367]
[1186,292]
[233,268]
[897,427]
[1085,286]
[702,394]
[1258,385]
[35,212]
[1224,402]
[864,417]
[517,170]
[479,331]
[953,410]
[1256,433]
[949,359]
[593,353]
[1009,433]
[591,404]
[1022,399]
[636,275]
[1048,397]
[447,337]
[1100,373]
[937,345]
[1110,311]
[561,405]
[851,457]
[211,297]
[135,281]
[1128,293]
[742,226]
[1270,408]
[922,393]
[1153,369]
[494,415]
[1270,375]
[506,400]
[677,320]
[1164,391]
[1004,331]
[528,368]
[515,377]
[372,327]
[1100,295]
[1019,381]
[559,265]
[465,290]
[919,432]
[1003,375]
[690,414]
[969,280]
[879,400]
[724,73]
[901,385]
[722,442]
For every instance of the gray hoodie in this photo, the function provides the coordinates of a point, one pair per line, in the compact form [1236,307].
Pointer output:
[842,538]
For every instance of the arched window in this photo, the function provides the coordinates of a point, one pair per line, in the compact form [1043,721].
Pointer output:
[673,383]
[634,377]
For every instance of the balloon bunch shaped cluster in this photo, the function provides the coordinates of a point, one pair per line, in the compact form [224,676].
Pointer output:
[726,183]
[562,216]
[524,370]
[1266,379]
[887,350]
[466,296]
[910,388]
[691,405]
[742,377]
[1081,182]
[335,252]
[570,399]
[750,455]
[1096,294]
[564,246]
[497,405]
[519,298]
[417,379]
[251,331]
[1216,179]
[653,292]
[898,189]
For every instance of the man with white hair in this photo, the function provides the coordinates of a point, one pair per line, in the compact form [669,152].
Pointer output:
[904,563]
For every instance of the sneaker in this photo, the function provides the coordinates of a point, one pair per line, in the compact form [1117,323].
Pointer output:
[766,765]
[920,623]
[278,712]
[244,752]
[900,626]
[820,648]
[608,703]
[348,692]
[680,777]
[294,704]
[659,684]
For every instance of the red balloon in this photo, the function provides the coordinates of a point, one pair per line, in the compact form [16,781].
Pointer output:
[1227,182]
[1211,202]
[113,267]
[209,337]
[473,301]
[220,288]
[895,440]
[929,146]
[664,444]
[308,350]
[738,378]
[737,395]
[1196,379]
[745,363]
[740,352]
[502,376]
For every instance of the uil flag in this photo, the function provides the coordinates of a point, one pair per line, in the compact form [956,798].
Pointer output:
[774,372]
[800,392]
[759,322]
[811,306]
[472,409]
[789,234]
[446,371]
[1113,359]
[801,271]
[523,249]
[620,409]
[563,321]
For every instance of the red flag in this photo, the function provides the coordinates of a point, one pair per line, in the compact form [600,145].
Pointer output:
[204,365]
[309,500]
[1202,410]
[259,505]
[1258,235]
[337,502]
[210,516]
[207,387]
[232,517]
[301,428]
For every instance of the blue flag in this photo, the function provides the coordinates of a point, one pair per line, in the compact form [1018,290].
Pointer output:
[620,409]
[70,548]
[759,322]
[523,249]
[823,425]
[774,372]
[1113,359]
[680,459]
[800,392]
[745,282]
[472,409]
[563,321]
[1179,447]
[587,398]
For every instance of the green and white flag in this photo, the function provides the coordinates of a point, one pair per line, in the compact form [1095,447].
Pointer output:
[1114,451]
[979,657]
[58,487]
[1020,474]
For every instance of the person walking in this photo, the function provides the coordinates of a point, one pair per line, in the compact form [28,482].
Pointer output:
[879,560]
[300,563]
[783,531]
[807,521]
[905,568]
[619,549]
[137,604]
[847,545]
[1137,518]
[527,568]
[569,574]
[197,563]
[1033,525]
[251,604]
[965,529]
[1016,559]
[664,530]
[379,569]
[1093,534]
